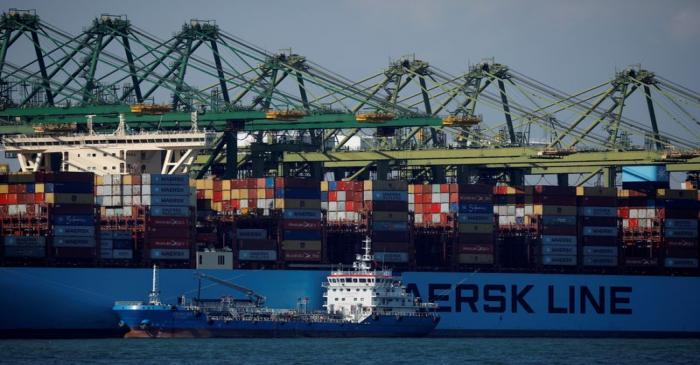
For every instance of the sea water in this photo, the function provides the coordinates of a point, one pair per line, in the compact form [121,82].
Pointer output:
[354,351]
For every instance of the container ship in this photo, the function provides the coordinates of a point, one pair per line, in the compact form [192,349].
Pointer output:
[496,260]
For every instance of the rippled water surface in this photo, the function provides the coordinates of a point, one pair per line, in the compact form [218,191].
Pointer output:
[354,351]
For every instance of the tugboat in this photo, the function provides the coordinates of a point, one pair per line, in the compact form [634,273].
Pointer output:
[363,302]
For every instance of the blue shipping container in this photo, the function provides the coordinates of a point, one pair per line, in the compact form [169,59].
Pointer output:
[558,240]
[122,244]
[297,193]
[170,200]
[70,220]
[165,179]
[647,173]
[564,220]
[398,196]
[77,231]
[168,190]
[301,214]
[476,208]
[161,211]
[390,226]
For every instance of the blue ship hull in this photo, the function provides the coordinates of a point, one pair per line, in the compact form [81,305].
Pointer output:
[78,301]
[164,322]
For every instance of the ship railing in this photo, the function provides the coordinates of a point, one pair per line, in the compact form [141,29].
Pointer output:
[128,302]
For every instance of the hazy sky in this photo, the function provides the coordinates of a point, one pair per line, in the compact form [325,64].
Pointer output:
[571,45]
[567,44]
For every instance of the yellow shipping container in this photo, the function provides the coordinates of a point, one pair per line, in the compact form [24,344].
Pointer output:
[226,195]
[49,198]
[99,180]
[298,245]
[193,183]
[127,180]
[260,193]
[38,188]
[4,188]
[279,203]
[200,184]
[324,185]
[217,206]
[235,193]
[225,185]
[209,194]
[209,183]
[244,194]
[411,188]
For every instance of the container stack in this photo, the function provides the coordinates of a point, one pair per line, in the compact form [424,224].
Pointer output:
[556,206]
[387,204]
[169,219]
[299,201]
[342,201]
[598,232]
[475,230]
[24,216]
[74,224]
[680,227]
[433,205]
[641,219]
[116,245]
[255,244]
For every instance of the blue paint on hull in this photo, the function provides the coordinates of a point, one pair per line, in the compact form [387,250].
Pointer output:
[81,299]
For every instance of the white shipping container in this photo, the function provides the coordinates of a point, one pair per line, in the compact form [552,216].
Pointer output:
[651,213]
[332,216]
[418,217]
[411,199]
[324,205]
[529,210]
[340,195]
[342,216]
[260,204]
[128,200]
[444,207]
[519,212]
[333,206]
[127,190]
[444,197]
[100,191]
[117,200]
[244,203]
[136,200]
[341,206]
[511,210]
[436,217]
[136,189]
[435,197]
[411,207]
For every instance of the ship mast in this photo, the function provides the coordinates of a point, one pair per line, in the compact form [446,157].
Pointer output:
[364,262]
[154,294]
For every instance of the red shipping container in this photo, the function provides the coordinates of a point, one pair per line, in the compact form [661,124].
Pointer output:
[632,223]
[475,248]
[39,197]
[217,185]
[226,205]
[235,204]
[349,206]
[298,224]
[332,196]
[427,198]
[444,188]
[167,222]
[180,232]
[200,195]
[301,255]
[417,198]
[11,198]
[340,185]
[210,238]
[454,197]
[418,208]
[3,199]
[435,208]
[252,203]
[217,197]
[168,243]
[260,183]
[269,193]
[623,212]
[417,188]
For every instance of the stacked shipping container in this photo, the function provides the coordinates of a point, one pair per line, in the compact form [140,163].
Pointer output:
[641,221]
[25,219]
[169,216]
[74,226]
[300,203]
[475,225]
[680,227]
[433,205]
[387,204]
[556,207]
[342,201]
[598,233]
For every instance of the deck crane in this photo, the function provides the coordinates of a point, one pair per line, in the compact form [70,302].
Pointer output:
[254,297]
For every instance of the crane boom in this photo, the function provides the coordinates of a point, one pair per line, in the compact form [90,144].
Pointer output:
[256,298]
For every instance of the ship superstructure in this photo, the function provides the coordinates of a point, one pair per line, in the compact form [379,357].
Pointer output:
[363,292]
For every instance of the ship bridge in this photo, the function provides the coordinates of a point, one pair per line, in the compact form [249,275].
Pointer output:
[121,152]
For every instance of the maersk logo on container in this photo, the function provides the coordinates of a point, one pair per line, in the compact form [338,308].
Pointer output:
[598,211]
[527,299]
[599,231]
[302,214]
[559,240]
[251,234]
